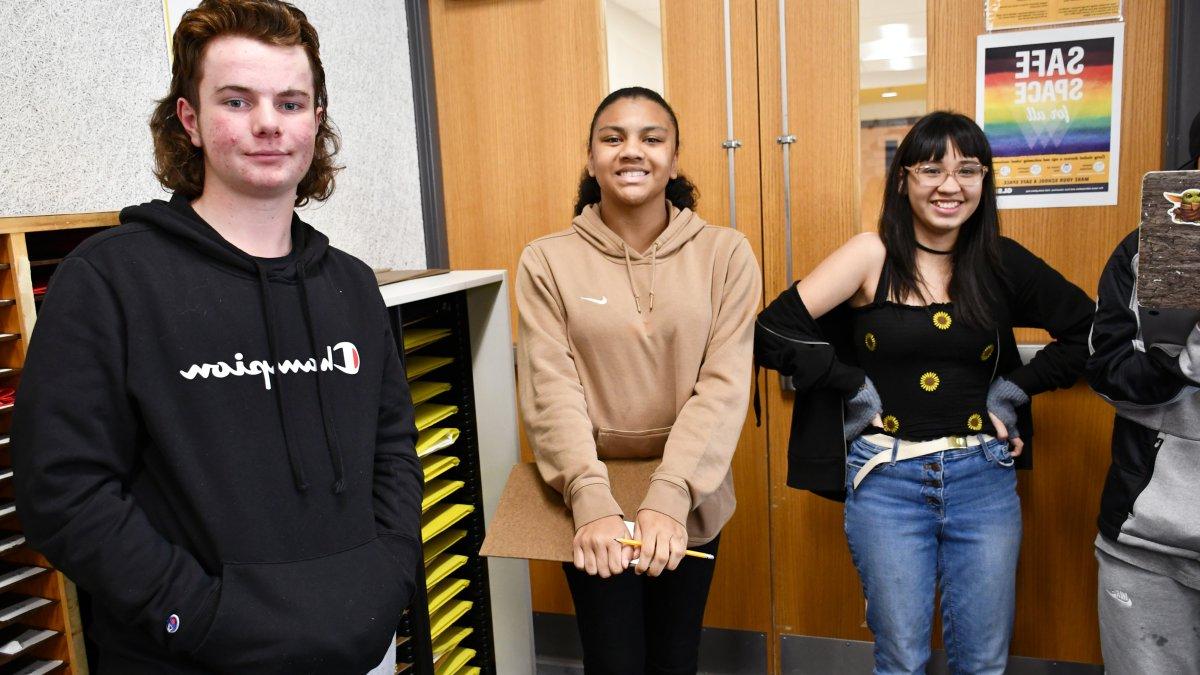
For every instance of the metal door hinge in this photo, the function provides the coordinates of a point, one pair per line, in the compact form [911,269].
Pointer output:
[786,140]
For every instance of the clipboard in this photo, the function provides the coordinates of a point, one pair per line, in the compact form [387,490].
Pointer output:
[533,523]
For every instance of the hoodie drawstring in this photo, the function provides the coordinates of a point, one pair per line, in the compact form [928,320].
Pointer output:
[331,441]
[288,442]
[653,265]
[637,299]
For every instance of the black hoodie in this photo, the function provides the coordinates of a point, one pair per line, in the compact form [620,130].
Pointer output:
[220,449]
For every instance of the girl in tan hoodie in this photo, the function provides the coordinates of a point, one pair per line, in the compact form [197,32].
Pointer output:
[636,334]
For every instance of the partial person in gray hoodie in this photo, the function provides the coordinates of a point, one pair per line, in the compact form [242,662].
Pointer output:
[1149,542]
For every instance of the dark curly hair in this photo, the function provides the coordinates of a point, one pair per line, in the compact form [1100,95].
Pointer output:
[680,190]
[178,164]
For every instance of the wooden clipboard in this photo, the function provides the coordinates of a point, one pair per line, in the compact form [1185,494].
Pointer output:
[532,522]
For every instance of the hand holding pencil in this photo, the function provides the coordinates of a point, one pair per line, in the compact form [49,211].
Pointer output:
[663,542]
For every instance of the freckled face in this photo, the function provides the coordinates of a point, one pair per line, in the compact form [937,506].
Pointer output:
[257,121]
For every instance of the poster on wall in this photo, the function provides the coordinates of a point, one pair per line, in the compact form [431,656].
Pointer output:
[1050,104]
[1009,14]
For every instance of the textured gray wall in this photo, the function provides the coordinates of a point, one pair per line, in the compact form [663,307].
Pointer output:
[78,81]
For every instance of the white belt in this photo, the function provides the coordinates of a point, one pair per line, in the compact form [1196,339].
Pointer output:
[911,449]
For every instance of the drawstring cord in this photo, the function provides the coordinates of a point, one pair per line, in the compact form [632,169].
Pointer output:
[653,263]
[331,441]
[637,298]
[289,443]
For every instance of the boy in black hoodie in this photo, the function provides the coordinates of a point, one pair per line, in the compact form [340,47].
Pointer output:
[214,435]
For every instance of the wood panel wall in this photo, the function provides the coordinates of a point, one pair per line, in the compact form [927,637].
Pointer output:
[694,56]
[1056,598]
[815,585]
[517,81]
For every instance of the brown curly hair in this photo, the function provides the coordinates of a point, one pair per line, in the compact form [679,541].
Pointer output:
[178,164]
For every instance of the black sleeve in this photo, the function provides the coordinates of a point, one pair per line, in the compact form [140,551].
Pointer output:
[1119,368]
[787,339]
[399,481]
[1040,297]
[74,452]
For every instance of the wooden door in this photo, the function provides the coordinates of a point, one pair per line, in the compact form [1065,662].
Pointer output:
[815,585]
[694,57]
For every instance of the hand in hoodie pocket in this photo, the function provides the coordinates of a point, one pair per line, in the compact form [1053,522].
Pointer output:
[335,613]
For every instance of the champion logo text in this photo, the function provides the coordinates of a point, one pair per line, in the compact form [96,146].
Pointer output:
[342,357]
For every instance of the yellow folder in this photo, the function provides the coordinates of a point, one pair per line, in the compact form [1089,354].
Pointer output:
[441,620]
[419,337]
[436,465]
[445,591]
[439,519]
[437,490]
[442,567]
[429,414]
[423,391]
[454,661]
[421,365]
[435,438]
[451,639]
[441,543]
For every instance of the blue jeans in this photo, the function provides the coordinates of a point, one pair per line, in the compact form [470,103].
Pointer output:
[950,519]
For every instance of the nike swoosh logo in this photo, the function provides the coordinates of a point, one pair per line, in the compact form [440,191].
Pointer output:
[602,300]
[1120,596]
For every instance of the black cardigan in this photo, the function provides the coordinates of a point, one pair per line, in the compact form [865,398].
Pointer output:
[819,357]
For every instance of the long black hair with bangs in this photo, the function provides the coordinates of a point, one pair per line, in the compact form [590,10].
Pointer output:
[976,268]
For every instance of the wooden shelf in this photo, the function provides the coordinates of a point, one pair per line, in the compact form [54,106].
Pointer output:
[52,603]
[66,221]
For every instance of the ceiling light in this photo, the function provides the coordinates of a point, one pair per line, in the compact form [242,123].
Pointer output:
[890,94]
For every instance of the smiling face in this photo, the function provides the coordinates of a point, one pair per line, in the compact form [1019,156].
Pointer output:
[257,121]
[945,207]
[632,153]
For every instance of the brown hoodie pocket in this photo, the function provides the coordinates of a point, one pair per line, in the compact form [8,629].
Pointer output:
[621,444]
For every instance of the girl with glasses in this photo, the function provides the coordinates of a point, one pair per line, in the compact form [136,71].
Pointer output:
[912,402]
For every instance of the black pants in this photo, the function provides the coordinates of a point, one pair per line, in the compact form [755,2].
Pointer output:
[632,624]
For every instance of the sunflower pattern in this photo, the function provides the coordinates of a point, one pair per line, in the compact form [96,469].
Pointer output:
[891,424]
[987,352]
[930,381]
[942,320]
[870,342]
[975,422]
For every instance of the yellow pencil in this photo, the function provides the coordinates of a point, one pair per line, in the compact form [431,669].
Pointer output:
[689,552]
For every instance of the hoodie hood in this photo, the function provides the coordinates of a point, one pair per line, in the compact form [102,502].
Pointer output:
[682,226]
[178,219]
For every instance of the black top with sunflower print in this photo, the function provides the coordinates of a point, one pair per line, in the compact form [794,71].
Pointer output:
[932,371]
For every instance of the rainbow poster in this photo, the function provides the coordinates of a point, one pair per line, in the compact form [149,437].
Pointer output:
[1050,104]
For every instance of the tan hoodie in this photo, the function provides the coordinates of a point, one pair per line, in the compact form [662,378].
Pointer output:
[624,354]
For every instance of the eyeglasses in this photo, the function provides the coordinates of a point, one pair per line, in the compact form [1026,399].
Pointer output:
[932,175]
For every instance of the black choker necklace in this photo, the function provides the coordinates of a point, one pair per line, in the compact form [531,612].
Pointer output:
[933,250]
